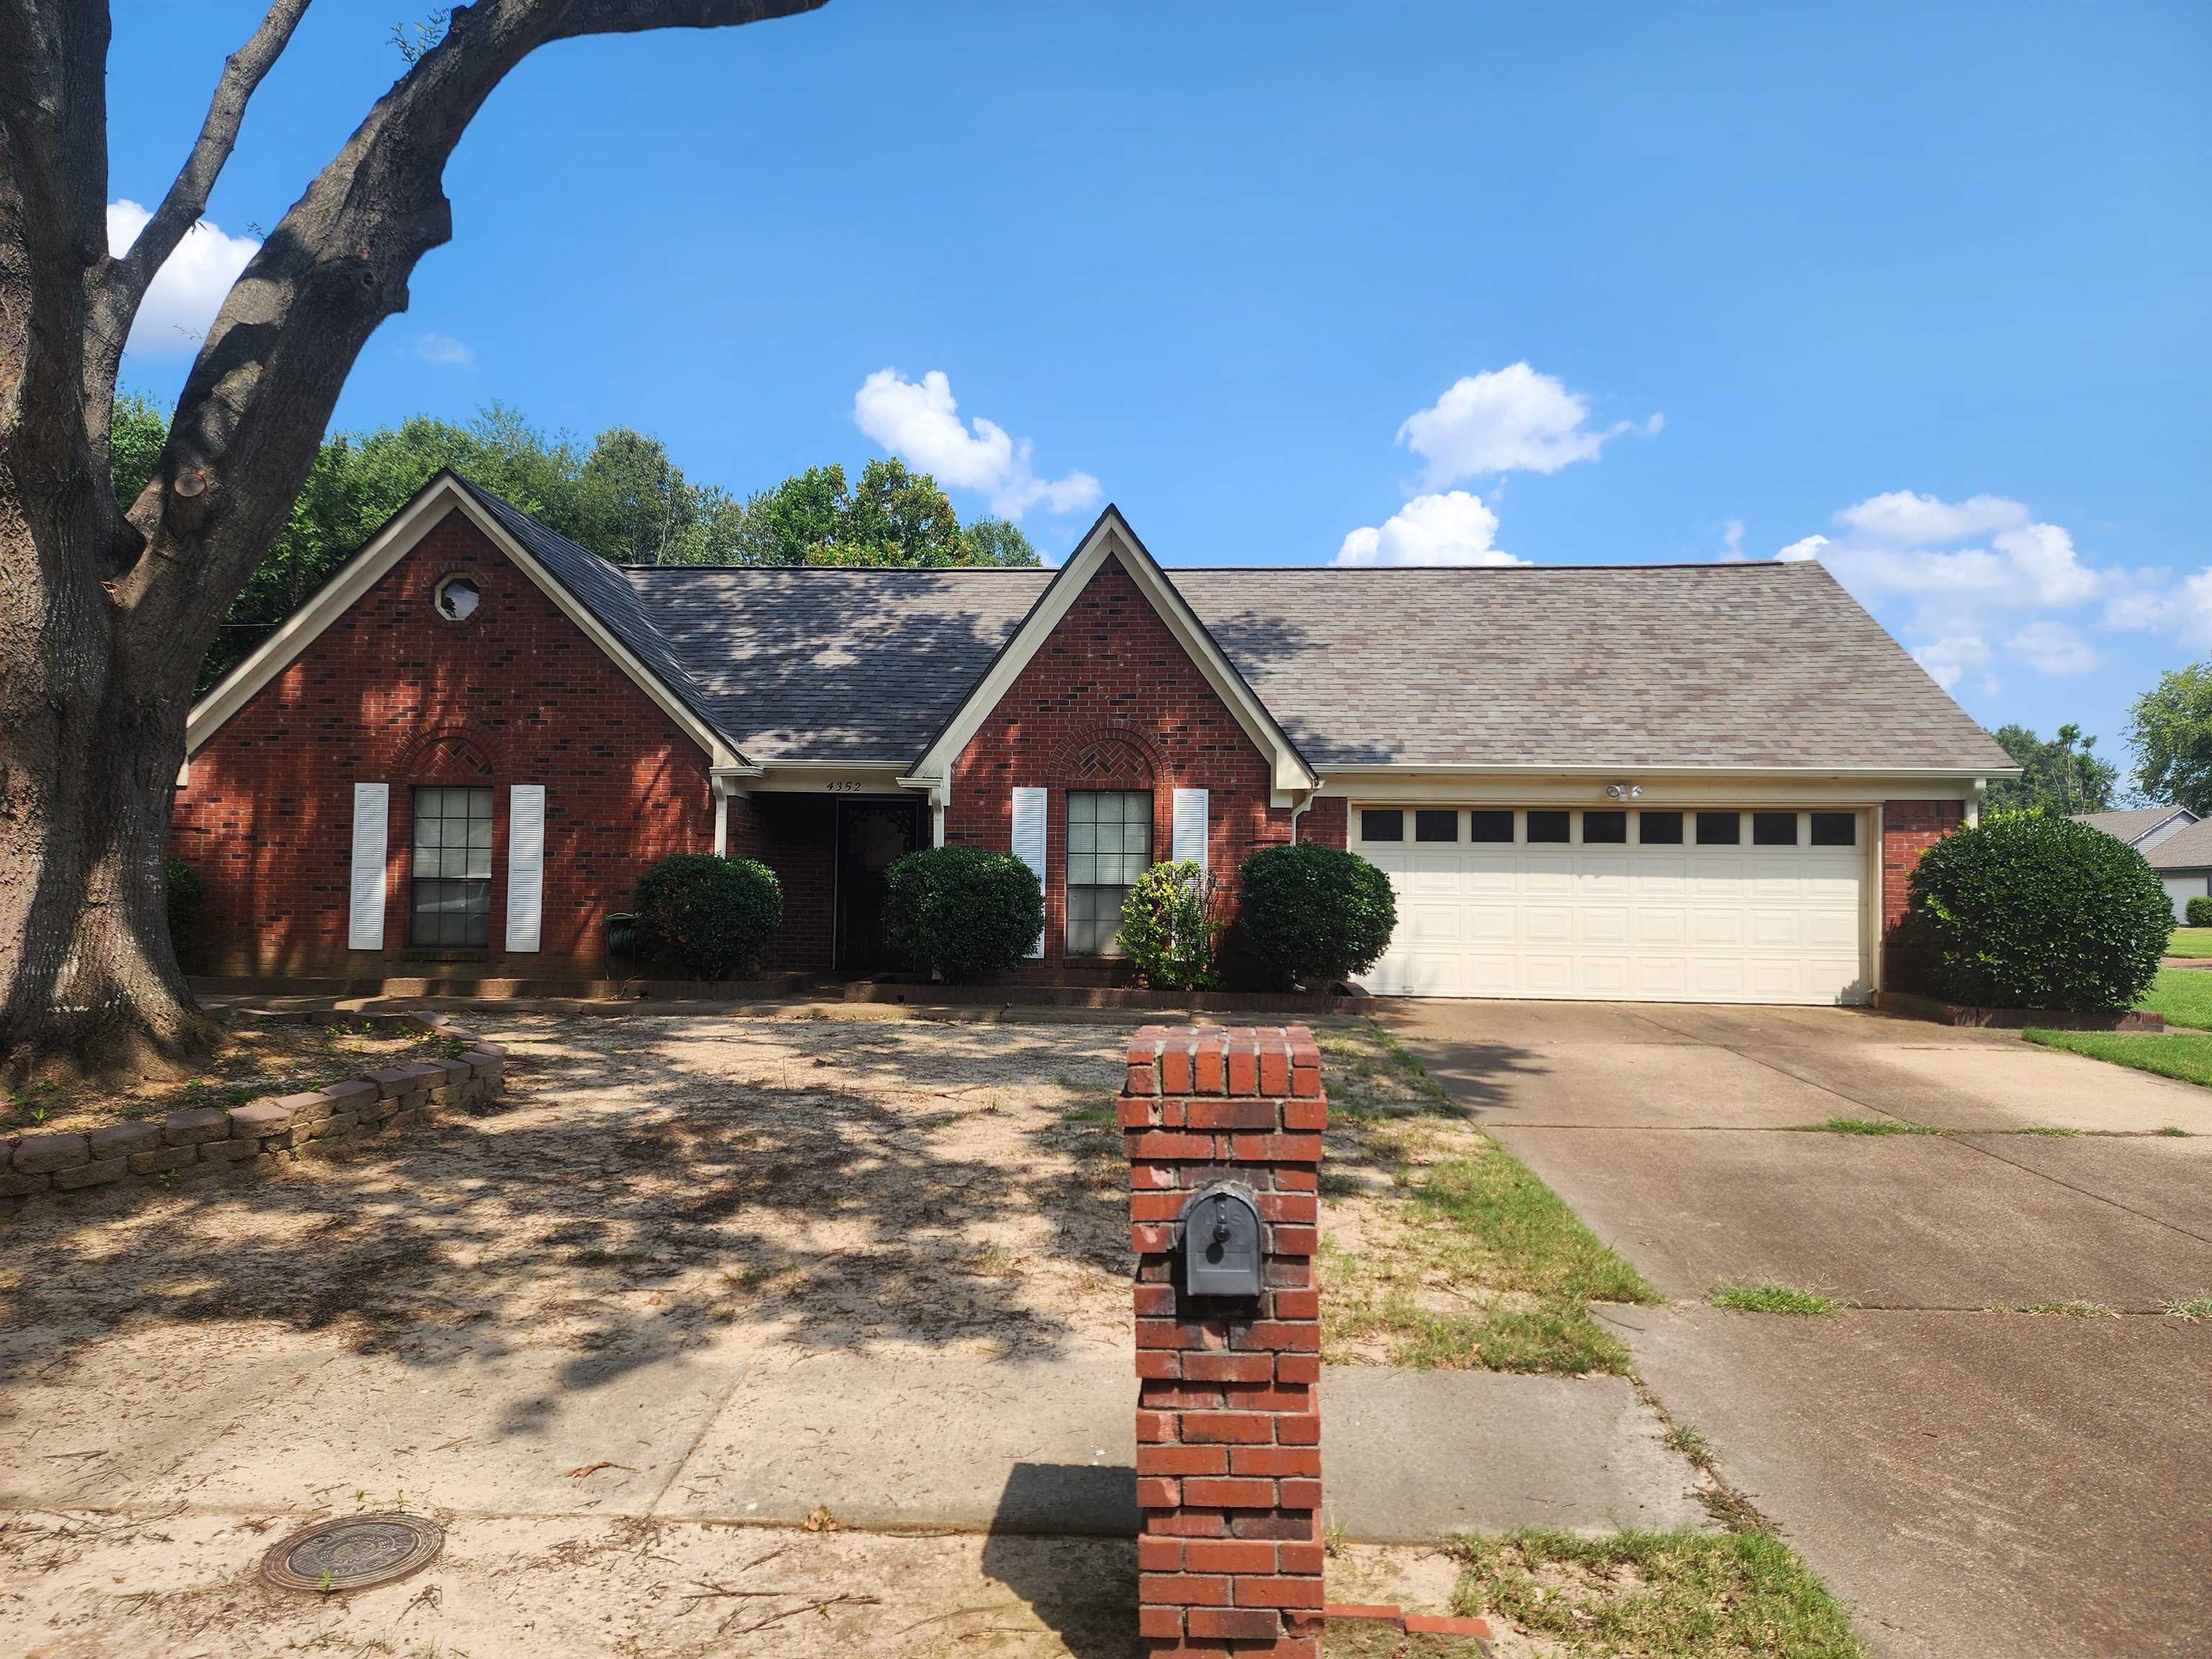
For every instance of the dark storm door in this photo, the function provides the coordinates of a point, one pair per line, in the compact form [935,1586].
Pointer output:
[871,834]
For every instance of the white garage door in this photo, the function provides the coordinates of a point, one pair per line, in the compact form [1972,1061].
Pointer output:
[1656,907]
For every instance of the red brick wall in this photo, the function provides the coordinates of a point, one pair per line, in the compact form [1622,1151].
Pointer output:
[392,692]
[1229,1556]
[794,835]
[1909,828]
[1112,702]
[1327,821]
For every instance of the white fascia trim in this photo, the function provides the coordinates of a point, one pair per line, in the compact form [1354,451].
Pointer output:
[1112,538]
[385,549]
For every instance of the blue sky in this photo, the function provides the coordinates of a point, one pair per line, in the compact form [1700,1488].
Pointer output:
[1299,283]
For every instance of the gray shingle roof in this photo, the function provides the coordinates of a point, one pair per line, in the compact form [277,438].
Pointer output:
[2184,849]
[1721,665]
[2128,822]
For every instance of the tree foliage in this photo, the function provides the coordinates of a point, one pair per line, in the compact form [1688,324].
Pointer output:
[2170,731]
[2033,910]
[2063,775]
[621,496]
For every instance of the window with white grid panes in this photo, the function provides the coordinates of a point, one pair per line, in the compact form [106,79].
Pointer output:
[450,869]
[1109,846]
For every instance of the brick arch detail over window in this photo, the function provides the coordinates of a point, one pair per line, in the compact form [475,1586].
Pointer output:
[453,753]
[1111,701]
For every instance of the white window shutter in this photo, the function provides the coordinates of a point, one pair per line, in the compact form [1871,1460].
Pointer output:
[1029,841]
[525,865]
[372,803]
[1189,832]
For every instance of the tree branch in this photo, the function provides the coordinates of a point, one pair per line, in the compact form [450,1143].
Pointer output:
[118,284]
[264,385]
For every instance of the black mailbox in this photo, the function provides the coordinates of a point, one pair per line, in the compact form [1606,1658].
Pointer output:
[1221,1254]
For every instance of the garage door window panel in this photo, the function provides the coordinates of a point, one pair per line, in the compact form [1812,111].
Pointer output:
[1381,823]
[1490,827]
[1109,846]
[1549,829]
[1605,829]
[1774,828]
[1435,824]
[1659,829]
[1720,829]
[1835,829]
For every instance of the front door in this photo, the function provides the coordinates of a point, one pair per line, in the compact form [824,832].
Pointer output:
[871,834]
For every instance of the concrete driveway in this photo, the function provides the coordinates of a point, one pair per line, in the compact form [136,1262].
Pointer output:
[1974,1478]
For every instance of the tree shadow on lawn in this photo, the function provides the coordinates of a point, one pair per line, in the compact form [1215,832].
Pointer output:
[836,1187]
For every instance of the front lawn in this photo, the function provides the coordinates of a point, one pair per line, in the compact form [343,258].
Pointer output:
[2189,942]
[2184,995]
[1440,1247]
[2175,1054]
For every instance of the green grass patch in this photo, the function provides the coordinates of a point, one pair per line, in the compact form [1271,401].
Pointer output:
[2191,1308]
[2072,1310]
[1681,1594]
[1464,1260]
[2173,1054]
[2189,942]
[2184,995]
[1870,1126]
[1795,1299]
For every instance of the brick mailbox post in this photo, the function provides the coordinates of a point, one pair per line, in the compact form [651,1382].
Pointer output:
[1221,1125]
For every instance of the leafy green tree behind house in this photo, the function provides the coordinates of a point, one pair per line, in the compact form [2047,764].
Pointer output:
[622,497]
[2170,731]
[2062,775]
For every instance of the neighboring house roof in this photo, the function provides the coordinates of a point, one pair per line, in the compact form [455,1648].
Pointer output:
[2131,824]
[1719,665]
[2184,849]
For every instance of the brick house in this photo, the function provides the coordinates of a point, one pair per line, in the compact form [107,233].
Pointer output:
[1686,783]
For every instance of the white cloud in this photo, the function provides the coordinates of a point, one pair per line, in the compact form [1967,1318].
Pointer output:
[1896,544]
[444,350]
[919,422]
[1453,528]
[186,294]
[1947,659]
[2195,607]
[1506,420]
[1732,542]
[1901,519]
[2052,648]
[1797,552]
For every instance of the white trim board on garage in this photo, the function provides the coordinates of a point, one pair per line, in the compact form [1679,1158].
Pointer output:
[1625,922]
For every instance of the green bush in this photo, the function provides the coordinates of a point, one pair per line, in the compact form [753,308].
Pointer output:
[708,917]
[1168,928]
[2031,910]
[186,899]
[962,912]
[2200,911]
[1309,915]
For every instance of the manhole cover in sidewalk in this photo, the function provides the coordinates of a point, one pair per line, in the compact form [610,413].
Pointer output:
[353,1553]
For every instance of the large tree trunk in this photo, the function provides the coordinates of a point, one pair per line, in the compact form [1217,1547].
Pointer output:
[106,608]
[87,761]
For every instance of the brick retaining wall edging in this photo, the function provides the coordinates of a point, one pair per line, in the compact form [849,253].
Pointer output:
[201,1142]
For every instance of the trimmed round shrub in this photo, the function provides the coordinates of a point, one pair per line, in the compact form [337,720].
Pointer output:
[185,892]
[1309,915]
[708,917]
[2200,911]
[2031,910]
[962,912]
[1168,928]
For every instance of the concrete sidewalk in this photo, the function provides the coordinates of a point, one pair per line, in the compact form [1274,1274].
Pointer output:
[903,1439]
